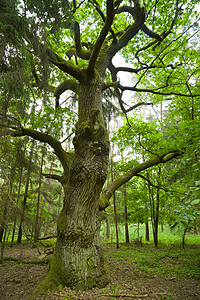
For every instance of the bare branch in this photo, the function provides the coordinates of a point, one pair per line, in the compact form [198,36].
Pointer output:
[67,137]
[151,33]
[134,89]
[137,105]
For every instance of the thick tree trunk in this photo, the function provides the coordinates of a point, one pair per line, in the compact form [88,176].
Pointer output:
[78,257]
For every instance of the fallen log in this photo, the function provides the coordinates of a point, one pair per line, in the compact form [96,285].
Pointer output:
[34,262]
[47,252]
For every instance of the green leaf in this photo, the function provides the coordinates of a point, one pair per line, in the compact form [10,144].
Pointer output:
[195,202]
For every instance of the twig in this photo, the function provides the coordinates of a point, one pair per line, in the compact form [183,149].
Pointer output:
[119,295]
[123,295]
[47,237]
[131,295]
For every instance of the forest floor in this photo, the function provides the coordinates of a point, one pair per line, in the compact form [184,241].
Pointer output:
[132,276]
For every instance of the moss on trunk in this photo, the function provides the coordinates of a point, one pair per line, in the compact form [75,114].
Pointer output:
[78,259]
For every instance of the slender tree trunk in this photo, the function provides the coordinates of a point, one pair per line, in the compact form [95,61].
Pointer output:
[147,231]
[17,202]
[37,229]
[115,217]
[146,225]
[2,243]
[19,239]
[183,238]
[146,206]
[138,231]
[115,209]
[156,209]
[3,217]
[108,227]
[78,259]
[154,212]
[7,198]
[126,217]
[46,226]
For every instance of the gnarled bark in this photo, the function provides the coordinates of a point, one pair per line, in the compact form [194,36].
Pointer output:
[78,258]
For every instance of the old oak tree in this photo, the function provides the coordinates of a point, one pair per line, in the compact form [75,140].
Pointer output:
[147,34]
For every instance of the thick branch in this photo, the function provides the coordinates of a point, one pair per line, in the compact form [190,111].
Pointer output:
[53,176]
[116,86]
[144,28]
[127,35]
[103,34]
[151,33]
[45,138]
[163,35]
[80,52]
[100,12]
[68,84]
[64,65]
[107,194]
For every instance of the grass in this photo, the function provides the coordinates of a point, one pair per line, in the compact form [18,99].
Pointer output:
[165,237]
[158,261]
[169,258]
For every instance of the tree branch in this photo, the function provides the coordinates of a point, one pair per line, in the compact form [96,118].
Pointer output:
[45,138]
[163,35]
[134,89]
[68,84]
[80,52]
[64,65]
[151,33]
[137,105]
[107,194]
[144,28]
[102,36]
[53,176]
[100,12]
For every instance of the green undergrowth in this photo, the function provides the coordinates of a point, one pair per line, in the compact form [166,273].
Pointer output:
[171,261]
[166,236]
